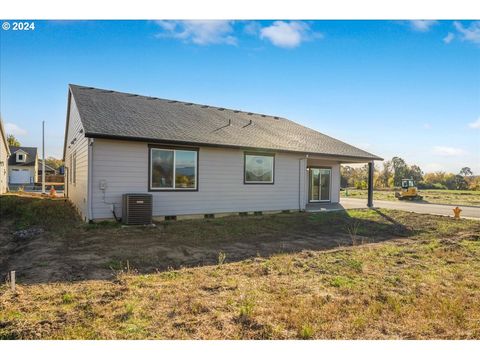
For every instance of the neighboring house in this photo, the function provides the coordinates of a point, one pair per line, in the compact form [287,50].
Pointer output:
[195,159]
[48,169]
[4,155]
[22,165]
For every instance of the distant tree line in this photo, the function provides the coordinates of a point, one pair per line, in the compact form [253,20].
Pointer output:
[396,169]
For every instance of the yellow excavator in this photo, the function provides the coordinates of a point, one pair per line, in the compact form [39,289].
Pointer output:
[409,191]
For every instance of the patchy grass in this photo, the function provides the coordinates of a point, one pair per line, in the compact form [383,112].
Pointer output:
[450,197]
[56,215]
[422,284]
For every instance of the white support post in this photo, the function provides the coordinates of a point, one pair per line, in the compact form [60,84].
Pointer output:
[43,157]
[12,280]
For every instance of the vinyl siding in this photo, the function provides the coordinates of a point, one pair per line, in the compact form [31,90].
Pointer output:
[124,167]
[3,165]
[78,192]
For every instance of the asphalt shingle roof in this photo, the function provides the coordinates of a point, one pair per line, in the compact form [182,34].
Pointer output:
[106,113]
[31,155]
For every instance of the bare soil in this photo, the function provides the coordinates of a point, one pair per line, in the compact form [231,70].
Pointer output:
[99,253]
[68,250]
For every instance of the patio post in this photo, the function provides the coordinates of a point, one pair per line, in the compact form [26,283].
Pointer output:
[370,184]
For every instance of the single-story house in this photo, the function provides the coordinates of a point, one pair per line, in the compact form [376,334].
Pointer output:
[48,169]
[4,155]
[194,159]
[22,165]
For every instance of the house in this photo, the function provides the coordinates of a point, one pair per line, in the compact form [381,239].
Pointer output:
[48,169]
[195,159]
[4,155]
[22,165]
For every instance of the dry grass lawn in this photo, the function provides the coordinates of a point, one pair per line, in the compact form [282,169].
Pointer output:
[424,284]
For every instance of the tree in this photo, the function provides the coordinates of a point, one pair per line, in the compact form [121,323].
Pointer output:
[460,182]
[400,170]
[415,173]
[53,162]
[346,176]
[450,181]
[385,175]
[12,140]
[466,171]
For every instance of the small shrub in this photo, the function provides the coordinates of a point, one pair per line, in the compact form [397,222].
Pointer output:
[306,332]
[67,298]
[341,282]
[352,230]
[128,311]
[246,310]
[114,265]
[221,258]
[355,265]
[170,274]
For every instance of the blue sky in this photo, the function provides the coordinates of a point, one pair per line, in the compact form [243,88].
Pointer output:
[402,88]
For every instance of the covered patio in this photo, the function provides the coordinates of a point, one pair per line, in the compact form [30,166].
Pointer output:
[320,182]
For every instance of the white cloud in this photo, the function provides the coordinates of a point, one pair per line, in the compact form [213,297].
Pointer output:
[422,25]
[252,28]
[14,129]
[448,151]
[475,124]
[288,34]
[200,32]
[472,33]
[449,38]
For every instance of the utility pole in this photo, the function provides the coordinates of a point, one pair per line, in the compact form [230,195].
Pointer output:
[43,157]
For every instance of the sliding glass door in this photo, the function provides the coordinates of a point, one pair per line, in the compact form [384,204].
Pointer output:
[319,184]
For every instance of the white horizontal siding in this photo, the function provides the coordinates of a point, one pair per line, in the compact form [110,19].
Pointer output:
[124,167]
[3,165]
[77,193]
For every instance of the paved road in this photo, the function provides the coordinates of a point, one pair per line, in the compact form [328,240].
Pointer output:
[467,211]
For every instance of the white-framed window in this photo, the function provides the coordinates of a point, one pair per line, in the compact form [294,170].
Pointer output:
[173,168]
[21,157]
[74,167]
[259,168]
[69,168]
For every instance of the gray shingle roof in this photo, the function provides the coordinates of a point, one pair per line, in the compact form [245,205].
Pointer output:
[31,155]
[111,114]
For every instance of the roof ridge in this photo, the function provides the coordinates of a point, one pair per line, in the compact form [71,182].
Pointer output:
[24,147]
[189,103]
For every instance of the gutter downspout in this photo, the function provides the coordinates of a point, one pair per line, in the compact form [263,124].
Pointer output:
[90,179]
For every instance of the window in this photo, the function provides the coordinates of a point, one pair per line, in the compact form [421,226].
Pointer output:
[20,157]
[69,174]
[74,168]
[259,168]
[173,169]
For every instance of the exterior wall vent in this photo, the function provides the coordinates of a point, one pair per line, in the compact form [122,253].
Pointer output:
[137,209]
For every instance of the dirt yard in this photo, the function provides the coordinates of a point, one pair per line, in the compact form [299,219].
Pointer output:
[283,276]
[44,241]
